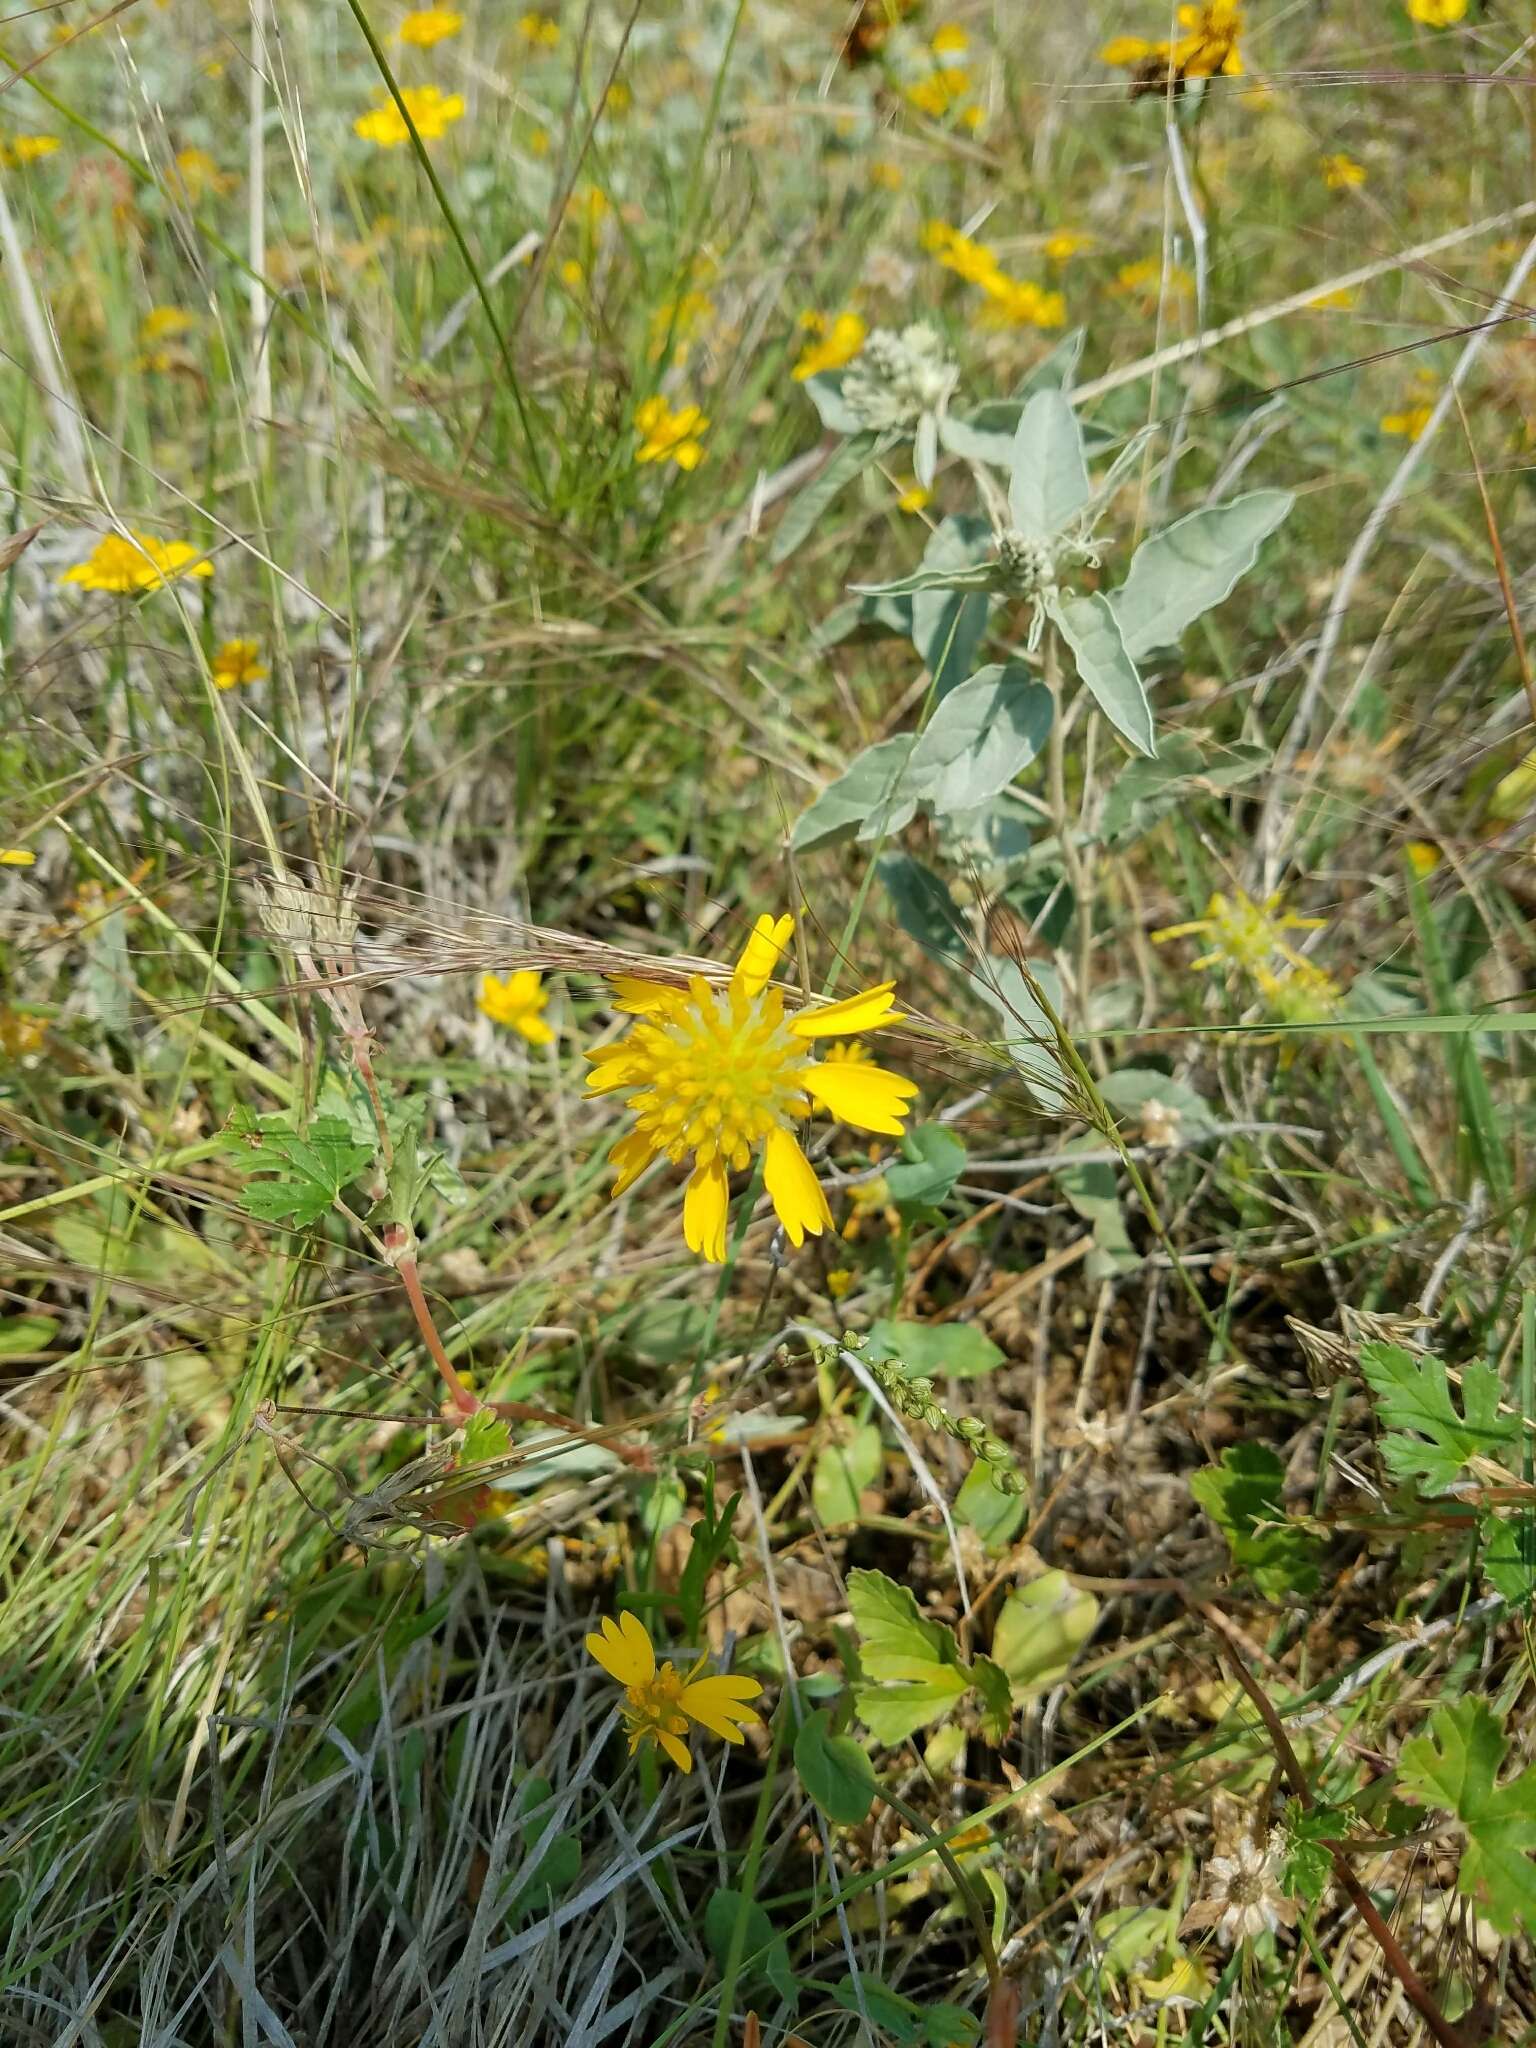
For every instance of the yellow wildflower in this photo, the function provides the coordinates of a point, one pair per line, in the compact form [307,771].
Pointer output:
[1437,13]
[1340,172]
[538,142]
[659,1703]
[139,563]
[832,346]
[1244,933]
[1303,994]
[432,110]
[16,857]
[841,1281]
[516,1000]
[425,26]
[1423,856]
[913,498]
[27,149]
[237,661]
[1066,243]
[667,436]
[973,261]
[1146,280]
[164,323]
[716,1072]
[886,175]
[938,91]
[199,174]
[588,207]
[1015,302]
[949,40]
[1208,46]
[1410,423]
[572,276]
[539,30]
[1339,300]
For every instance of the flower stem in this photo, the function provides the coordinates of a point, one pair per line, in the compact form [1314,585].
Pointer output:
[396,1240]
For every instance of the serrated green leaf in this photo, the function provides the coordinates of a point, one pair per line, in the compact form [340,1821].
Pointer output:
[1048,479]
[891,1628]
[1509,1555]
[1104,664]
[1191,566]
[870,798]
[991,1683]
[837,1775]
[313,1168]
[1455,1764]
[1040,1630]
[1242,1497]
[1414,1394]
[486,1436]
[983,733]
[894,1711]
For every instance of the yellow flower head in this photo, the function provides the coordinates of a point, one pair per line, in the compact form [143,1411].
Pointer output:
[27,149]
[517,1000]
[141,563]
[659,1703]
[237,661]
[714,1073]
[1437,13]
[1243,933]
[1341,173]
[973,261]
[16,857]
[433,111]
[424,26]
[164,323]
[841,1281]
[1423,856]
[668,436]
[539,30]
[1147,279]
[913,498]
[199,174]
[939,91]
[1410,423]
[1303,994]
[1015,302]
[886,175]
[949,40]
[1208,46]
[1065,244]
[834,346]
[679,320]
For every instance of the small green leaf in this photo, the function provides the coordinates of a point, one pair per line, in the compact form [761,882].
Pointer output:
[982,734]
[982,1505]
[870,797]
[991,1682]
[1414,1394]
[763,1954]
[935,1350]
[1304,1830]
[927,911]
[1104,665]
[1242,1497]
[1509,1555]
[21,1334]
[948,624]
[893,1712]
[1191,566]
[1094,1192]
[1040,1630]
[934,1160]
[891,1628]
[837,1775]
[1048,483]
[1147,790]
[486,1436]
[1456,1764]
[1028,1033]
[842,1472]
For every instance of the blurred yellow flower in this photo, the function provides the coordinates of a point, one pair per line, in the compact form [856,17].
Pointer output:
[973,261]
[199,174]
[538,142]
[141,563]
[670,436]
[1244,933]
[1339,300]
[1410,423]
[1016,302]
[832,347]
[162,323]
[433,111]
[1437,13]
[572,276]
[27,149]
[425,26]
[517,1000]
[1303,994]
[658,1704]
[1066,243]
[619,99]
[1209,46]
[886,175]
[949,40]
[539,30]
[939,91]
[237,661]
[841,1281]
[716,1073]
[1341,173]
[16,857]
[680,320]
[1146,280]
[1423,856]
[913,499]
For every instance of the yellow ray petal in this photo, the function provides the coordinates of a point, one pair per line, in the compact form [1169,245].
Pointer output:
[678,1751]
[869,1098]
[641,998]
[867,1011]
[624,1650]
[793,1188]
[631,1155]
[760,955]
[705,1203]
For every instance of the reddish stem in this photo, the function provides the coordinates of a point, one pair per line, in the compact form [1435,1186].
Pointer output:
[395,1238]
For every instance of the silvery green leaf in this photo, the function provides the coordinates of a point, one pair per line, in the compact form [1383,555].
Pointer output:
[1049,479]
[992,835]
[1092,1190]
[803,512]
[979,738]
[826,394]
[1056,371]
[1028,1032]
[947,624]
[1191,566]
[924,907]
[927,579]
[874,615]
[1145,791]
[976,444]
[869,797]
[1089,627]
[925,450]
[1132,1088]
